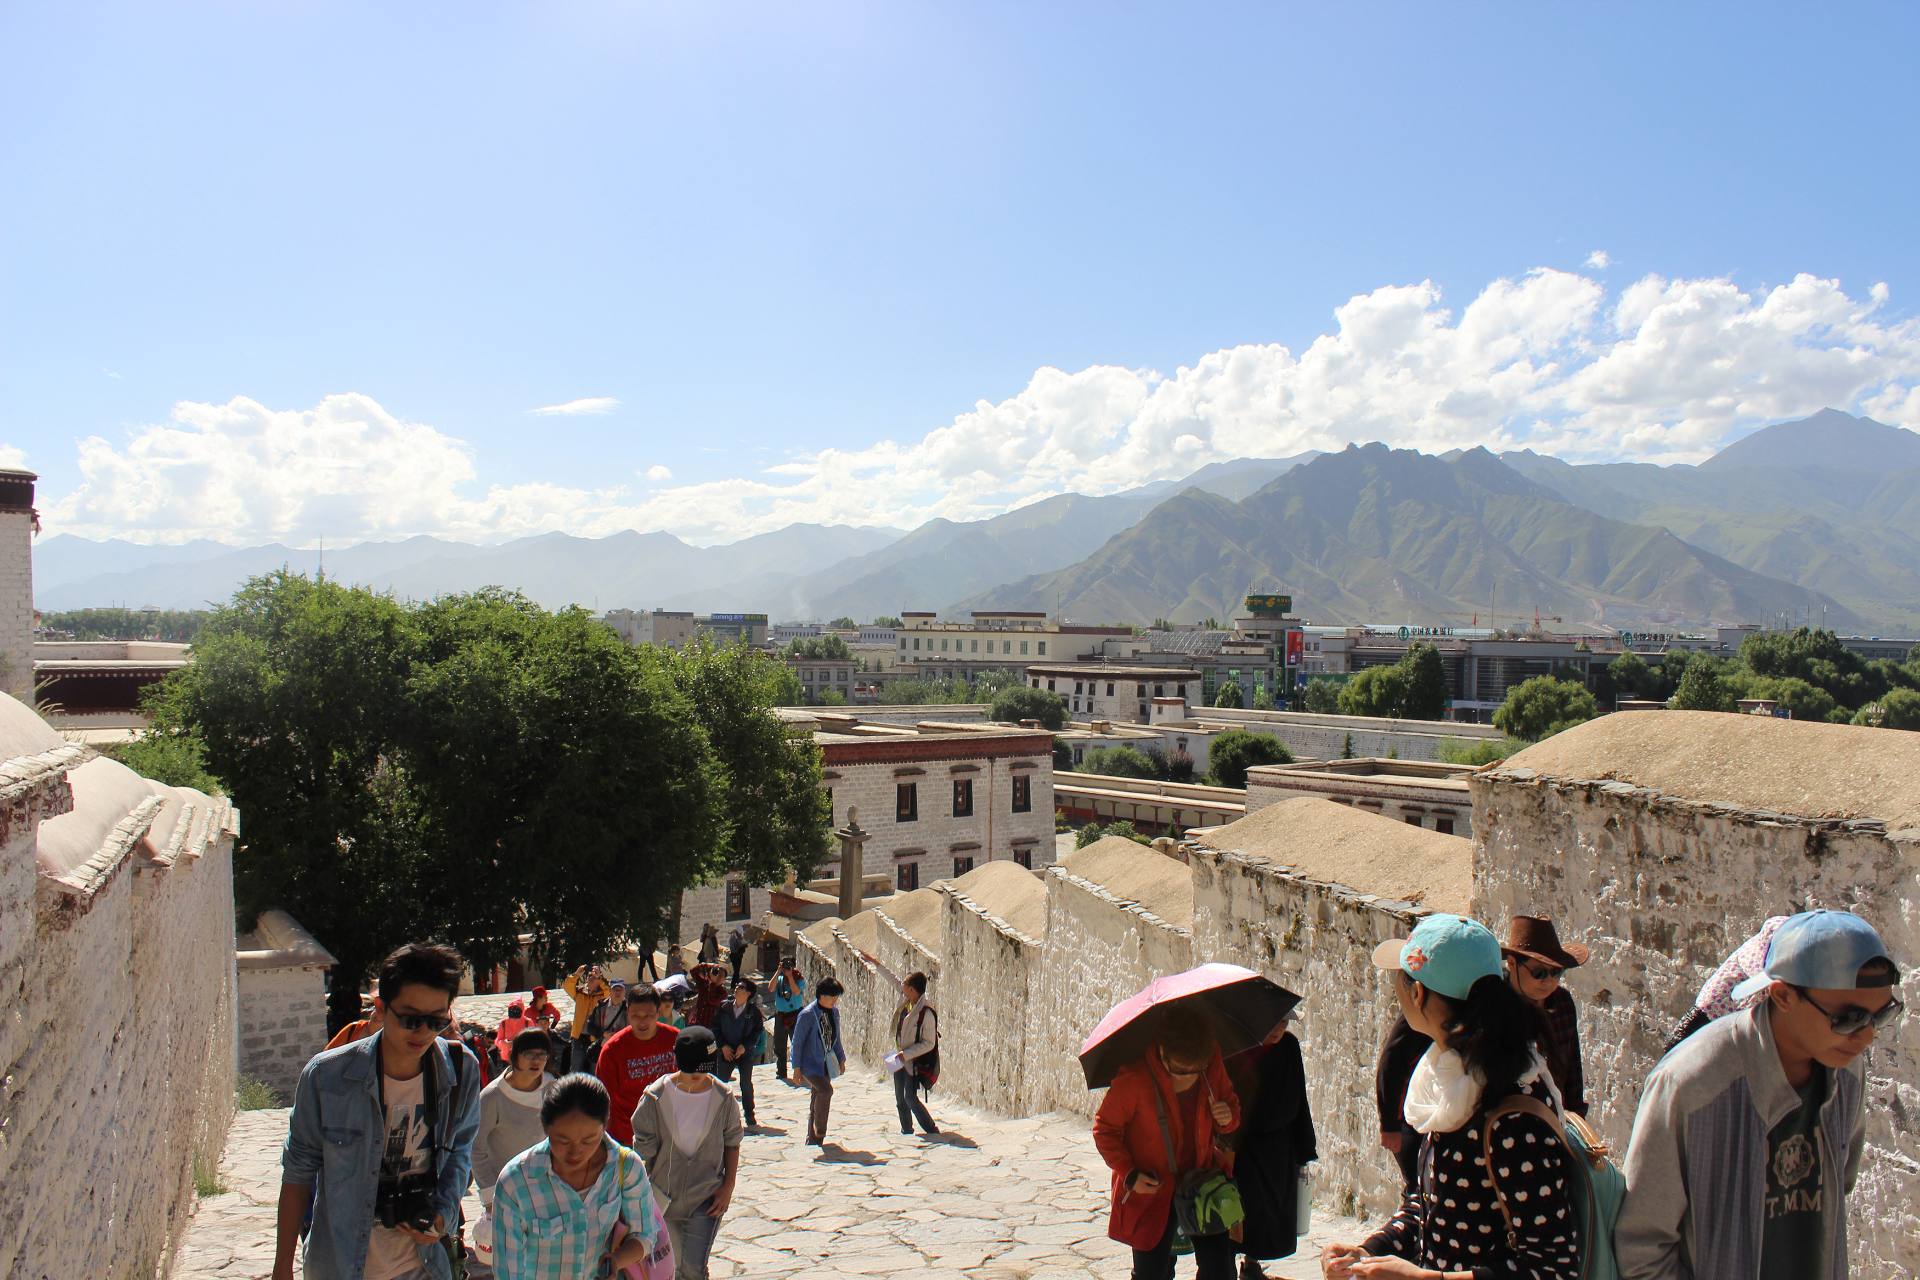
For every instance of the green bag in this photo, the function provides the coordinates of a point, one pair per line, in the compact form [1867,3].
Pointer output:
[1205,1201]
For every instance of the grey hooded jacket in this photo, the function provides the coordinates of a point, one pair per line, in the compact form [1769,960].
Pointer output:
[687,1181]
[1697,1167]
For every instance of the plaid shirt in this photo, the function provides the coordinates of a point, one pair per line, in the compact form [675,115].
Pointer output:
[545,1230]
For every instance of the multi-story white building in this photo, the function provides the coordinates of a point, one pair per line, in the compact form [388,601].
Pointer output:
[936,800]
[819,675]
[1100,691]
[992,640]
[663,627]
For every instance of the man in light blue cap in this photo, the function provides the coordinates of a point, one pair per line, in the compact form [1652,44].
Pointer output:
[1762,1111]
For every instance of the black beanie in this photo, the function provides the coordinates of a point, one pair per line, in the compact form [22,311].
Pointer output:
[694,1049]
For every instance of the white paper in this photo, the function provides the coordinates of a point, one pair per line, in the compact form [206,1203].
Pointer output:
[894,1061]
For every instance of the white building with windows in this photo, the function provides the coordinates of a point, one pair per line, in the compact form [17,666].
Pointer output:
[1101,691]
[992,640]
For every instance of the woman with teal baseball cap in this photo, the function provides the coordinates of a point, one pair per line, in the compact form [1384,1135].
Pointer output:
[1491,1197]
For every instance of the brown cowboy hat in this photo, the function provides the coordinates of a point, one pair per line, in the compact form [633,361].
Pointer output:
[1534,938]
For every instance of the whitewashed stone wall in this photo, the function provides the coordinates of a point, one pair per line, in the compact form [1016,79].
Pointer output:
[282,1001]
[986,989]
[118,1052]
[1316,939]
[16,601]
[1322,737]
[1099,950]
[1662,890]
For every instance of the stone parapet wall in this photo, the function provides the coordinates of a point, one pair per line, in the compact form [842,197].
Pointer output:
[1663,890]
[282,1001]
[119,1056]
[1315,939]
[1099,950]
[986,990]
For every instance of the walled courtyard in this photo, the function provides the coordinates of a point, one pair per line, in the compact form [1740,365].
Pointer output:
[991,1199]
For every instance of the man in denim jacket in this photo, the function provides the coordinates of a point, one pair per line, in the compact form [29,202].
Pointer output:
[379,1118]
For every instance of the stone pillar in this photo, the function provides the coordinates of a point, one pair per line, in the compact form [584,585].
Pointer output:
[853,869]
[18,523]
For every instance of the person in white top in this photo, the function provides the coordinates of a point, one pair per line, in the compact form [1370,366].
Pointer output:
[916,1033]
[688,1130]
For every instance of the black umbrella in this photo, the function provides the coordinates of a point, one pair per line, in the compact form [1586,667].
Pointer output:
[1242,1006]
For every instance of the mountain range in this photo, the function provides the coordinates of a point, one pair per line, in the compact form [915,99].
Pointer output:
[1815,519]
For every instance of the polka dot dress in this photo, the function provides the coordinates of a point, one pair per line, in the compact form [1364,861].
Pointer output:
[1451,1221]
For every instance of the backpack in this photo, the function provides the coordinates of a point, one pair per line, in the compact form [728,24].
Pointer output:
[1599,1186]
[1205,1201]
[927,1065]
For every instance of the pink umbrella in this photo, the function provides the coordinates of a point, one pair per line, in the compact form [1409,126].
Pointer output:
[1243,1006]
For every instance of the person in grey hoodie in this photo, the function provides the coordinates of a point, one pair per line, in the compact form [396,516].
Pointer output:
[1750,1132]
[510,1110]
[687,1129]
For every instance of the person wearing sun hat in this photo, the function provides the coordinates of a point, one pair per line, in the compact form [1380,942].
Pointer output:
[1451,984]
[1750,1132]
[1535,961]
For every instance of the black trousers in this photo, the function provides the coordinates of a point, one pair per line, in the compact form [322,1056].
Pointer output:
[1212,1256]
[724,1070]
[906,1097]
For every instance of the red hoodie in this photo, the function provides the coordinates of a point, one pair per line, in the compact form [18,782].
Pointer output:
[627,1066]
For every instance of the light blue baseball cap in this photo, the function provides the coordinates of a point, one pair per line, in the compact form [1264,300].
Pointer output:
[1824,950]
[1445,953]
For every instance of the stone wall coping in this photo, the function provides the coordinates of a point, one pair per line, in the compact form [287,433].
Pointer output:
[1128,905]
[278,941]
[1652,798]
[868,961]
[911,941]
[993,921]
[87,879]
[1262,865]
[23,775]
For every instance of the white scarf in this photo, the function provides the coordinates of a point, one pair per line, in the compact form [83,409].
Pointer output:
[1443,1095]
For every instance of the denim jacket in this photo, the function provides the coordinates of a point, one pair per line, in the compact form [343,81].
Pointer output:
[337,1135]
[809,1055]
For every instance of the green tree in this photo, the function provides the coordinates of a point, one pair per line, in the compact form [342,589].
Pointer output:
[1817,657]
[1063,757]
[1543,706]
[844,623]
[175,626]
[1346,748]
[1263,701]
[787,689]
[1900,709]
[1237,750]
[988,685]
[1701,688]
[1479,751]
[1023,702]
[1119,762]
[1228,695]
[1631,675]
[888,620]
[830,698]
[1426,692]
[1802,700]
[1375,691]
[177,761]
[819,648]
[1094,831]
[1322,697]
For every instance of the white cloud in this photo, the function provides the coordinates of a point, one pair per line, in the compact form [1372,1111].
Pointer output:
[1661,370]
[1599,260]
[574,408]
[11,456]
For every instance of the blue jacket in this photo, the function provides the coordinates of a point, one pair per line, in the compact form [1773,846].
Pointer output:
[795,994]
[809,1056]
[337,1135]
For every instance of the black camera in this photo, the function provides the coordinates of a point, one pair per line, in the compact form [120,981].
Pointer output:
[405,1202]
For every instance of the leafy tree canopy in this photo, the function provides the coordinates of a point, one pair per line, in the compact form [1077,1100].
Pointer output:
[1543,706]
[1228,695]
[888,620]
[1024,702]
[1321,696]
[844,623]
[1701,688]
[819,648]
[1237,750]
[1479,751]
[1119,762]
[176,626]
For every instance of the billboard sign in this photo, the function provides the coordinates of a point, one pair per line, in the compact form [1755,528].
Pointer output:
[1296,647]
[1269,606]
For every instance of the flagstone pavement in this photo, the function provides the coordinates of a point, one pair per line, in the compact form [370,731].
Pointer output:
[990,1199]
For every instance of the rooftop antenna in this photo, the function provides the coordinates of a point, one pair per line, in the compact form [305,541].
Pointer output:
[320,573]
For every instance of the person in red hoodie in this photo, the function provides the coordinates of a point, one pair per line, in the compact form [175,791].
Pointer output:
[1184,1068]
[633,1058]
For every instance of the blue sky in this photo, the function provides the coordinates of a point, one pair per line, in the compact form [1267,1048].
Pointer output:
[772,231]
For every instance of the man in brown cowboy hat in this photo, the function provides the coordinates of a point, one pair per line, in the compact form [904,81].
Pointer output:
[1535,961]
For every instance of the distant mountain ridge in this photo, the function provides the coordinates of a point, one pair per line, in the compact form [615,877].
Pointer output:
[1376,533]
[1818,517]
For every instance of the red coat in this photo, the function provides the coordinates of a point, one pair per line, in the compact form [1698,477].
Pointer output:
[1126,1130]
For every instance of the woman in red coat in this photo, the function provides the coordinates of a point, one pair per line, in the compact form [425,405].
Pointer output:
[1185,1070]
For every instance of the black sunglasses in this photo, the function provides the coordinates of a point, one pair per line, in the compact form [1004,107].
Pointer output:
[423,1021]
[1853,1019]
[1540,973]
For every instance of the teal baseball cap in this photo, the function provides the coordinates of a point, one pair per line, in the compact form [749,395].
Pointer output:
[1445,953]
[1822,950]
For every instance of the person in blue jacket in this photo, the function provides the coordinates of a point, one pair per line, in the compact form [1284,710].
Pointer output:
[817,1054]
[380,1141]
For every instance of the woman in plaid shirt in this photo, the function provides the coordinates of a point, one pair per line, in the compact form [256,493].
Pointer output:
[556,1204]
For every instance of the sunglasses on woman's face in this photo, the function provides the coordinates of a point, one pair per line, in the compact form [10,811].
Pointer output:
[1854,1019]
[1541,973]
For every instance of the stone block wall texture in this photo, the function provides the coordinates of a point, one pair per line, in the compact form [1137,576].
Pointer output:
[16,605]
[118,1052]
[1099,950]
[283,1022]
[991,829]
[985,984]
[1662,890]
[1315,939]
